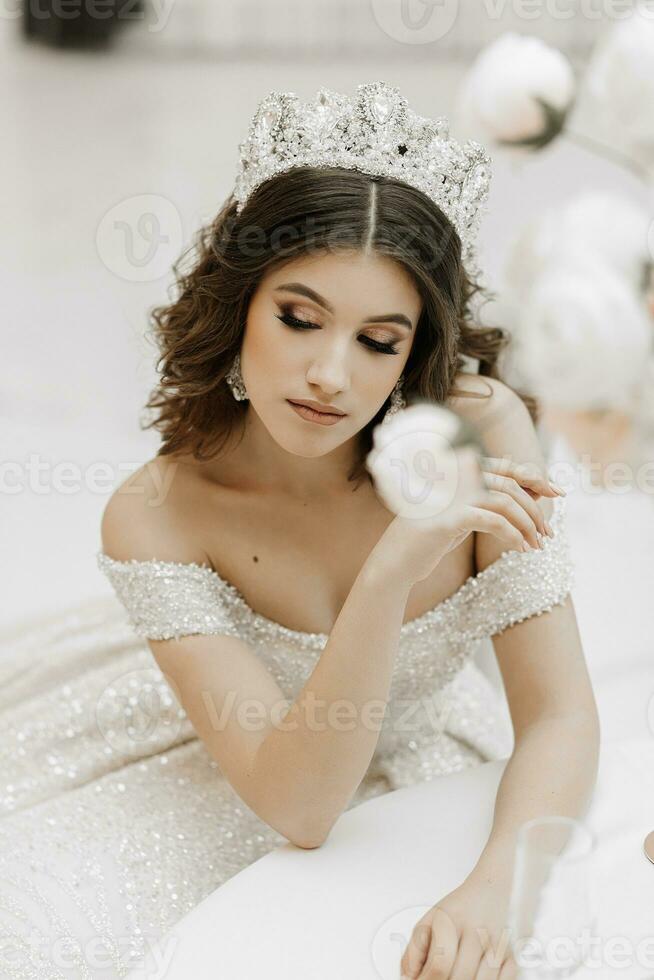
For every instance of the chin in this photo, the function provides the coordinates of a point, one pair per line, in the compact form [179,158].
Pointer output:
[314,441]
[308,447]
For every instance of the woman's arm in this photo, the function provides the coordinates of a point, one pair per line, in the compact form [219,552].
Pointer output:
[295,765]
[553,767]
[319,753]
[553,770]
[466,933]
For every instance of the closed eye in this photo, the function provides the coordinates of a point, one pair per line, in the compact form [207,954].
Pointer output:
[296,324]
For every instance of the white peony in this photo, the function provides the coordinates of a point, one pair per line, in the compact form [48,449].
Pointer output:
[414,464]
[612,228]
[584,337]
[603,226]
[499,98]
[620,78]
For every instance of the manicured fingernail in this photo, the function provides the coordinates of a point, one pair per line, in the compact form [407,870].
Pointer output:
[548,528]
[526,546]
[558,490]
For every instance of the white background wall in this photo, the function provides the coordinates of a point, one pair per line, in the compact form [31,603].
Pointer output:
[315,28]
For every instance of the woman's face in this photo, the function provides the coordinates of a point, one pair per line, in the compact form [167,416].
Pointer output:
[354,338]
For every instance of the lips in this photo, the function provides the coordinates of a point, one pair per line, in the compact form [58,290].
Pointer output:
[311,415]
[316,408]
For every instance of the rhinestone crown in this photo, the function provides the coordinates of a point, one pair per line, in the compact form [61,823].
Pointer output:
[374,132]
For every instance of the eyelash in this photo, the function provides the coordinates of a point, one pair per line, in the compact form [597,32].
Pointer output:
[295,324]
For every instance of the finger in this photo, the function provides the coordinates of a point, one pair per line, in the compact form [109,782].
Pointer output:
[442,948]
[527,475]
[512,487]
[490,522]
[517,515]
[467,958]
[489,967]
[509,970]
[496,949]
[415,954]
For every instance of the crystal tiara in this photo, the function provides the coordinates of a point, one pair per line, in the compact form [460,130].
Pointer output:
[374,132]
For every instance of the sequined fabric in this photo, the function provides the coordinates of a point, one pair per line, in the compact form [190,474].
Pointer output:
[114,819]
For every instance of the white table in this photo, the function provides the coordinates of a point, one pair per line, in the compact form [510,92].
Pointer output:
[347,909]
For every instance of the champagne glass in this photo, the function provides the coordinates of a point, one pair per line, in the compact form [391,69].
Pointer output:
[551,911]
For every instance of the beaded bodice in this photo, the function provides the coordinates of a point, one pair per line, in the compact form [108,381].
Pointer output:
[167,599]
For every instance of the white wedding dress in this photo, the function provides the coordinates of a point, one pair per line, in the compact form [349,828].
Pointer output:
[115,820]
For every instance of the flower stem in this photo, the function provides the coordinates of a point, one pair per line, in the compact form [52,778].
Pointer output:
[608,151]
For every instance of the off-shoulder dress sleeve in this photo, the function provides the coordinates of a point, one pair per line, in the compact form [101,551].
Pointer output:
[520,584]
[168,599]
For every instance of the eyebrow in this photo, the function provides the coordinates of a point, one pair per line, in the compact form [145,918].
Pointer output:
[302,290]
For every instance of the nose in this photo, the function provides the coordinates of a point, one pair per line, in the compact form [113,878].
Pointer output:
[328,370]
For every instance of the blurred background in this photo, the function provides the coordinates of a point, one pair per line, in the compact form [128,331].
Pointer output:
[121,123]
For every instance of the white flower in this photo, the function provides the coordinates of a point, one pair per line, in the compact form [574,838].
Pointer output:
[613,228]
[605,227]
[620,77]
[413,463]
[584,337]
[499,98]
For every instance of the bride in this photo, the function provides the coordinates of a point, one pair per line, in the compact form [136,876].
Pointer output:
[157,742]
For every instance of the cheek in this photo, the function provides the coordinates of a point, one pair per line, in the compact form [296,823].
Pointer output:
[264,348]
[378,381]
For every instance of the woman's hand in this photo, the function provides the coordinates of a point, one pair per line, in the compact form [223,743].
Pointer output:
[528,476]
[464,937]
[493,496]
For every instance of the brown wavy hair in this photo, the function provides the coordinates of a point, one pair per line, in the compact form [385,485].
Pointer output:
[304,211]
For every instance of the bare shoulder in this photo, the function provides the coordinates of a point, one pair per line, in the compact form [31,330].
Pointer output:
[500,416]
[488,402]
[144,517]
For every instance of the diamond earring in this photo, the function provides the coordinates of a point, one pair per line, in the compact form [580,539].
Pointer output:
[235,380]
[397,402]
